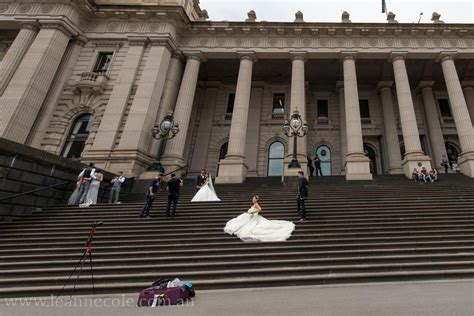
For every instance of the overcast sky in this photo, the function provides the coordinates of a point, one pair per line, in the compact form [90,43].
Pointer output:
[407,11]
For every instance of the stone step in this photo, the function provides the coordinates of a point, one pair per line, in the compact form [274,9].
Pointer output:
[246,282]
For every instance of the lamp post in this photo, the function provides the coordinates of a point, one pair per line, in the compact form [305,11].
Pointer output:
[295,128]
[167,128]
[163,131]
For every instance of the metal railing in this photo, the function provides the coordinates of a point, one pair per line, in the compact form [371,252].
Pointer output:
[185,168]
[35,190]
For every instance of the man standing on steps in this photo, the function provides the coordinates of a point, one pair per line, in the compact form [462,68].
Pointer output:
[151,192]
[115,191]
[173,187]
[317,164]
[302,195]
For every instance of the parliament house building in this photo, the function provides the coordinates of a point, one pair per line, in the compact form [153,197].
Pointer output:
[90,79]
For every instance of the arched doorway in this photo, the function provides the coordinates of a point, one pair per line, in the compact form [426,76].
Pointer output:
[276,155]
[77,137]
[222,154]
[370,153]
[324,154]
[453,152]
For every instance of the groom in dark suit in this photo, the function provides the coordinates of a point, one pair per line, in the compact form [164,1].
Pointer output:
[302,195]
[201,179]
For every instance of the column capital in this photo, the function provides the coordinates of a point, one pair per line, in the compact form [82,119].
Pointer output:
[178,54]
[298,55]
[31,25]
[397,55]
[194,54]
[348,55]
[448,55]
[467,84]
[166,41]
[425,84]
[247,55]
[81,40]
[384,85]
[58,25]
[137,40]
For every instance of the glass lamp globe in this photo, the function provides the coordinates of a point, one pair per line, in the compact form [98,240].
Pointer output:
[166,125]
[295,123]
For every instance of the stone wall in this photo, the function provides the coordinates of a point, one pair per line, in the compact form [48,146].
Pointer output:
[24,169]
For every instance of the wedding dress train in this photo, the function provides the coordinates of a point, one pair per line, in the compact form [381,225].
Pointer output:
[206,193]
[250,226]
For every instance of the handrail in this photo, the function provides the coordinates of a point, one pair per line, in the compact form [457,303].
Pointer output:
[180,168]
[34,191]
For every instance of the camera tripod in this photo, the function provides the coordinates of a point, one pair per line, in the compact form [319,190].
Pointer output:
[87,254]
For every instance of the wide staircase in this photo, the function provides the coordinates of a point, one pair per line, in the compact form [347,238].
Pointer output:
[389,229]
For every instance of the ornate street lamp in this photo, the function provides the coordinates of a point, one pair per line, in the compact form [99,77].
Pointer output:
[167,128]
[295,128]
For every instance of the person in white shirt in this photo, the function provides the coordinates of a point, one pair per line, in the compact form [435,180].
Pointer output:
[115,191]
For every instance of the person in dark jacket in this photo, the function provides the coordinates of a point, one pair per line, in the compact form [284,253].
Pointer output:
[310,166]
[317,164]
[201,180]
[151,192]
[173,187]
[302,195]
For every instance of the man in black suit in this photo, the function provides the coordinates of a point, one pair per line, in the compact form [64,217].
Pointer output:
[302,195]
[317,164]
[201,179]
[173,187]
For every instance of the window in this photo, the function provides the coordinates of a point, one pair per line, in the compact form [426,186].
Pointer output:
[77,137]
[322,108]
[230,103]
[103,63]
[276,155]
[364,109]
[278,103]
[444,108]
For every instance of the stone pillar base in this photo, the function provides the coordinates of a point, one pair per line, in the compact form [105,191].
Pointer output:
[171,164]
[232,171]
[466,164]
[293,172]
[415,161]
[358,167]
[396,171]
[148,175]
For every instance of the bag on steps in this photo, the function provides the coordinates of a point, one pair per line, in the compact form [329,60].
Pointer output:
[159,294]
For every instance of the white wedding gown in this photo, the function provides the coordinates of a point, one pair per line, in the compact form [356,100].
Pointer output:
[206,193]
[253,227]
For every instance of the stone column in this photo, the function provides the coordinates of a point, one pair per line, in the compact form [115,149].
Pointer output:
[357,164]
[15,53]
[113,115]
[468,89]
[460,113]
[297,101]
[414,156]
[432,121]
[390,128]
[168,101]
[29,86]
[63,75]
[342,124]
[233,169]
[132,152]
[174,152]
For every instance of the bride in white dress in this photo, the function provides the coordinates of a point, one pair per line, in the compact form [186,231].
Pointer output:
[250,226]
[206,193]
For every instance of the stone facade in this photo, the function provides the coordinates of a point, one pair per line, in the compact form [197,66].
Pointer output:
[378,98]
